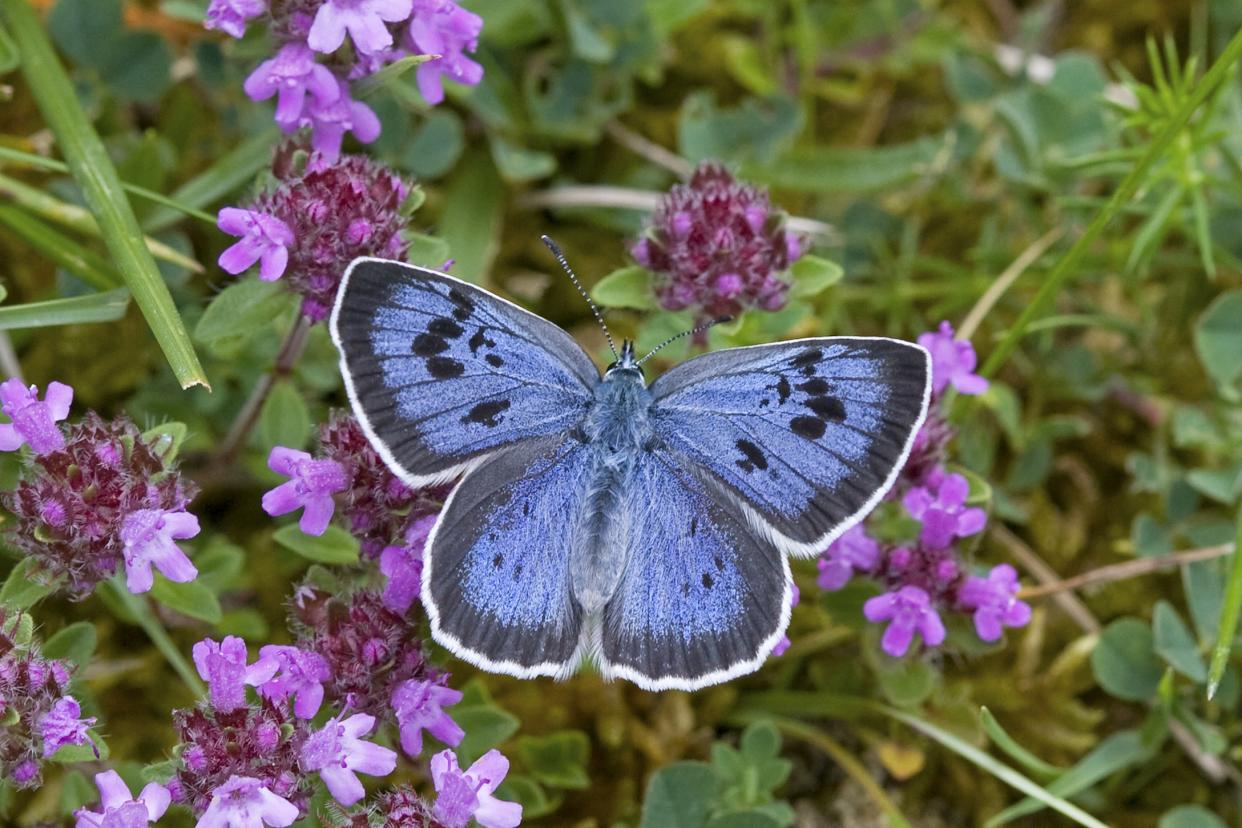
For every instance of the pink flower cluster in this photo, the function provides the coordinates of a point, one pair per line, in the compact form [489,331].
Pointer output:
[97,495]
[323,45]
[925,577]
[322,213]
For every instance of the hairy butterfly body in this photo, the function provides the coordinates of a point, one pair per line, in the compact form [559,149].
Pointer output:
[646,528]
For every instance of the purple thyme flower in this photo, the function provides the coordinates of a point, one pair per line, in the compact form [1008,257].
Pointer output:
[329,121]
[953,362]
[419,706]
[994,601]
[231,16]
[717,246]
[854,551]
[363,19]
[301,674]
[223,666]
[402,807]
[909,610]
[70,505]
[264,239]
[403,566]
[33,421]
[463,795]
[338,752]
[441,27]
[147,536]
[119,808]
[941,505]
[337,210]
[245,802]
[64,725]
[291,76]
[312,484]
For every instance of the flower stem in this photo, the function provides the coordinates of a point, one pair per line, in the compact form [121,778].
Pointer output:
[145,617]
[290,351]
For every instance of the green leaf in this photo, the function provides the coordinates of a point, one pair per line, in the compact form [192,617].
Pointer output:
[628,287]
[1175,643]
[1218,338]
[559,759]
[530,795]
[80,26]
[23,588]
[427,251]
[60,249]
[9,59]
[1229,612]
[1222,485]
[1115,753]
[1190,816]
[437,144]
[756,130]
[906,682]
[92,169]
[285,419]
[334,546]
[75,643]
[1007,743]
[165,440]
[813,275]
[750,818]
[241,309]
[193,599]
[472,217]
[486,724]
[1124,660]
[71,754]
[94,307]
[517,164]
[678,796]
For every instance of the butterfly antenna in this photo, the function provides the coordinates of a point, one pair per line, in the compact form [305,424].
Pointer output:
[599,317]
[695,330]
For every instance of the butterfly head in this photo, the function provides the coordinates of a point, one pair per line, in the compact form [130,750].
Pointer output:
[626,366]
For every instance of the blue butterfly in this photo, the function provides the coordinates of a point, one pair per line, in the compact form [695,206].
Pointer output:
[646,528]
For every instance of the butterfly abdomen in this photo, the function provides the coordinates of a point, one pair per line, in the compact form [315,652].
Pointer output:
[616,429]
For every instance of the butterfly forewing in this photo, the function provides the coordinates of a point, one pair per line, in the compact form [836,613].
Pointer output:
[809,435]
[442,373]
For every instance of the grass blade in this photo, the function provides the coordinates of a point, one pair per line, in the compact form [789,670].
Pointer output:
[101,187]
[1156,152]
[227,174]
[76,218]
[52,164]
[1001,738]
[92,268]
[98,307]
[1228,617]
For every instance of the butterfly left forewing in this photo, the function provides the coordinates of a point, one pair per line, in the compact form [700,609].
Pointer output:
[496,578]
[807,435]
[442,373]
[702,597]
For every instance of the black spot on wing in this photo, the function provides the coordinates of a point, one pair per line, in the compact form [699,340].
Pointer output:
[487,413]
[752,457]
[445,327]
[812,428]
[428,344]
[497,560]
[480,339]
[827,408]
[707,581]
[694,527]
[463,306]
[807,360]
[445,367]
[814,386]
[494,360]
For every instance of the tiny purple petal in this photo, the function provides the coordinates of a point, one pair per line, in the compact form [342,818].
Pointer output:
[147,537]
[34,421]
[337,751]
[418,705]
[908,610]
[994,602]
[311,488]
[63,725]
[265,238]
[953,362]
[244,801]
[231,16]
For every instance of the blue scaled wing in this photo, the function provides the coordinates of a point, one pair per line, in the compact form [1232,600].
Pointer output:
[442,373]
[496,578]
[809,435]
[703,597]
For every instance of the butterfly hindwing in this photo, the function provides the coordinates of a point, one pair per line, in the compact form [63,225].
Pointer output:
[808,434]
[496,569]
[442,373]
[702,597]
